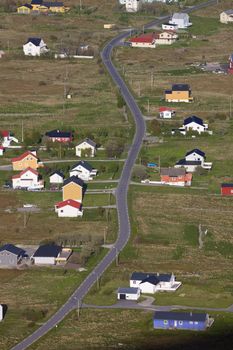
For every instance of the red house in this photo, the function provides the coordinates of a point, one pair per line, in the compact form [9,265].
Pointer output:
[175,177]
[227,189]
[59,136]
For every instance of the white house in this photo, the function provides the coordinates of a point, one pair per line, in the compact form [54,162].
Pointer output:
[194,123]
[46,254]
[83,170]
[56,177]
[181,20]
[1,312]
[226,16]
[166,112]
[128,293]
[69,209]
[166,38]
[151,283]
[169,26]
[7,139]
[1,150]
[86,148]
[133,5]
[192,160]
[35,47]
[28,179]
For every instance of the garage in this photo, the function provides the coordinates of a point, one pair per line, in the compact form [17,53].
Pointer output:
[128,293]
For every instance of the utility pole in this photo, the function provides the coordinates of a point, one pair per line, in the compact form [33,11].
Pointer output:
[22,134]
[139,89]
[78,308]
[159,163]
[230,106]
[104,235]
[148,106]
[24,219]
[80,5]
[152,80]
[98,283]
[8,46]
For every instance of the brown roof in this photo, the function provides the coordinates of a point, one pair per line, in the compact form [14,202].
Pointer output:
[173,171]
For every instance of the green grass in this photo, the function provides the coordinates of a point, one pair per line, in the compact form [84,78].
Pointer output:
[204,25]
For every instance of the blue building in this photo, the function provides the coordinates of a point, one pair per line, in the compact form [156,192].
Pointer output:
[181,320]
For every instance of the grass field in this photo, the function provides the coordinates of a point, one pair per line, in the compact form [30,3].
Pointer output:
[129,329]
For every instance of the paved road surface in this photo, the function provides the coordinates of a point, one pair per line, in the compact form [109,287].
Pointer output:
[121,193]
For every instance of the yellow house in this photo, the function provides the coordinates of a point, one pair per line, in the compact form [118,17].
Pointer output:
[56,7]
[36,4]
[73,189]
[179,93]
[24,9]
[26,160]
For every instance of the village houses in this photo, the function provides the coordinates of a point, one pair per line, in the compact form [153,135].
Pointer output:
[150,40]
[86,148]
[57,177]
[69,208]
[50,254]
[166,112]
[194,159]
[179,93]
[58,136]
[41,6]
[175,177]
[83,170]
[11,255]
[150,283]
[226,16]
[73,188]
[181,20]
[193,124]
[35,47]
[26,160]
[27,179]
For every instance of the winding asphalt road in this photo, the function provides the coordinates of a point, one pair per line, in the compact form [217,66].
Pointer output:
[121,192]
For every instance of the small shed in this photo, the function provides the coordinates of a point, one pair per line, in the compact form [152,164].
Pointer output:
[1,312]
[128,293]
[181,320]
[227,189]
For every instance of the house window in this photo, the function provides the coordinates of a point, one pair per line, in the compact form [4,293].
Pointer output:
[190,322]
[165,321]
[62,211]
[134,282]
[195,322]
[180,323]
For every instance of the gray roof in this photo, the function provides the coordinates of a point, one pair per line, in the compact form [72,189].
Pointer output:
[173,171]
[150,277]
[89,141]
[180,15]
[128,290]
[180,316]
[12,249]
[229,12]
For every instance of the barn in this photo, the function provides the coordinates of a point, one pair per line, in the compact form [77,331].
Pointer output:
[128,293]
[227,189]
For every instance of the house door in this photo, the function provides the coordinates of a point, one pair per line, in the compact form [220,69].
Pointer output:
[122,296]
[175,324]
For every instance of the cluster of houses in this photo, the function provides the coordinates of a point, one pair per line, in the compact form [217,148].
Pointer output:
[148,283]
[41,6]
[48,254]
[136,5]
[6,140]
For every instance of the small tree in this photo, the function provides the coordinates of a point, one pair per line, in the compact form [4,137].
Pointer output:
[155,127]
[114,148]
[139,172]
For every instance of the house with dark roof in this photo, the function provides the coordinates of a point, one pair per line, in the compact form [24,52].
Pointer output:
[179,93]
[181,320]
[83,170]
[10,255]
[175,177]
[129,293]
[46,254]
[86,148]
[35,47]
[193,159]
[73,188]
[57,177]
[226,16]
[151,283]
[59,136]
[193,124]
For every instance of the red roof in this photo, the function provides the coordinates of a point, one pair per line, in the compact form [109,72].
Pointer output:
[69,202]
[144,38]
[1,147]
[164,109]
[24,171]
[25,154]
[5,133]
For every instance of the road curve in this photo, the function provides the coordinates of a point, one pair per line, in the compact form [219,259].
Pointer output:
[121,192]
